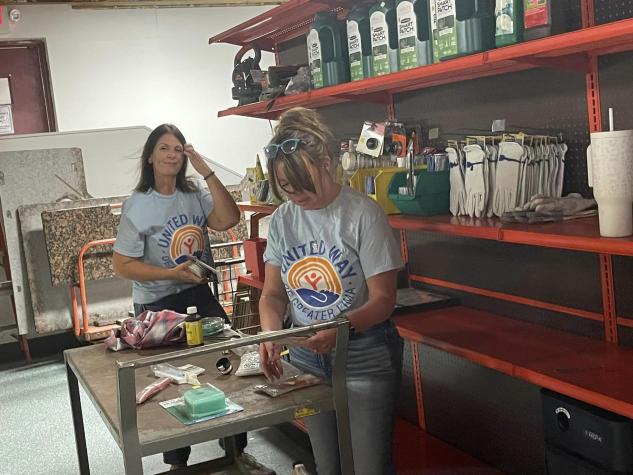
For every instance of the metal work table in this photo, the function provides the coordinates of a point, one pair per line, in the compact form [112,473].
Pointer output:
[111,380]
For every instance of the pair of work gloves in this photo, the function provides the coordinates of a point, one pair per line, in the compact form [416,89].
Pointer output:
[543,209]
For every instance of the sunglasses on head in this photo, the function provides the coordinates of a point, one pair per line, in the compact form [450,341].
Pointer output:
[288,147]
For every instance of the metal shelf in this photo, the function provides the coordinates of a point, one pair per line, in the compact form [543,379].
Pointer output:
[576,235]
[586,369]
[571,50]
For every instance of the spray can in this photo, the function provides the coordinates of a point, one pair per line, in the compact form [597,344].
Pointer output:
[508,22]
[384,37]
[359,43]
[327,51]
[415,44]
[193,327]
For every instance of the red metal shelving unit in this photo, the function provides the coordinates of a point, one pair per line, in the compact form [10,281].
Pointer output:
[576,235]
[574,50]
[592,371]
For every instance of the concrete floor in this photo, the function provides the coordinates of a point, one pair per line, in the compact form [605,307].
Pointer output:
[37,433]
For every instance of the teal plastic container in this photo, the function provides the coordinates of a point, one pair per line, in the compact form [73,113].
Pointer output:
[384,38]
[327,51]
[432,193]
[415,43]
[464,27]
[359,43]
[508,22]
[204,401]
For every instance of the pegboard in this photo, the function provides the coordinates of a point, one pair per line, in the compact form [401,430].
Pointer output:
[615,74]
[622,272]
[612,10]
[557,276]
[492,416]
[555,320]
[538,101]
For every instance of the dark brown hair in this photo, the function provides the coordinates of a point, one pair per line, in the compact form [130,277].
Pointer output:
[307,125]
[146,180]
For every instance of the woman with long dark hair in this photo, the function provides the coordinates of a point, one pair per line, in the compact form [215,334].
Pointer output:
[163,223]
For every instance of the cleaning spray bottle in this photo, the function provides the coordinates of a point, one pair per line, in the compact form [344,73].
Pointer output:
[384,37]
[327,51]
[508,22]
[359,43]
[414,33]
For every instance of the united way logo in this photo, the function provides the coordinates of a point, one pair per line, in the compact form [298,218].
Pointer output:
[315,281]
[186,242]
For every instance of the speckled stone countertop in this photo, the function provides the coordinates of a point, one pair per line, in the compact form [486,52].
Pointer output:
[67,231]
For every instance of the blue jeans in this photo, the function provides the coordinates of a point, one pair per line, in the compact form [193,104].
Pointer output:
[374,365]
[202,297]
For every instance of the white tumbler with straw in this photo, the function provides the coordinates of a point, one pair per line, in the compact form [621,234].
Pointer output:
[610,173]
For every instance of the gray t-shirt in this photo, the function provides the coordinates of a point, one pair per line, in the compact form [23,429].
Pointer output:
[163,230]
[327,255]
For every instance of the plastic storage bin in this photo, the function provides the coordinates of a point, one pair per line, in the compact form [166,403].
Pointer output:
[431,197]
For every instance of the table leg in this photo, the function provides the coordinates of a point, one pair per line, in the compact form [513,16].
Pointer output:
[78,423]
[132,457]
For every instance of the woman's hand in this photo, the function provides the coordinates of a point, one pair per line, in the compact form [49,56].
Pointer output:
[182,273]
[196,160]
[322,342]
[270,360]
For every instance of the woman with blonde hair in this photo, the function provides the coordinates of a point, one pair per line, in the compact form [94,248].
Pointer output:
[331,252]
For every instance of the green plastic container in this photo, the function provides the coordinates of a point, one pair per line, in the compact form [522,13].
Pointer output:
[434,32]
[384,38]
[204,401]
[432,193]
[508,22]
[359,43]
[327,51]
[464,27]
[415,43]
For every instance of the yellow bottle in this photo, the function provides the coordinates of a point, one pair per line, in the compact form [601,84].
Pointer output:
[193,327]
[259,171]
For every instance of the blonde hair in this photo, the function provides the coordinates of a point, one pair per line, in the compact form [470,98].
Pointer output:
[316,146]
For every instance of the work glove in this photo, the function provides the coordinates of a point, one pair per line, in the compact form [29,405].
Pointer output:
[571,205]
[560,175]
[493,153]
[458,191]
[475,180]
[507,177]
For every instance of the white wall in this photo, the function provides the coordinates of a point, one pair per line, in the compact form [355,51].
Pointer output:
[117,68]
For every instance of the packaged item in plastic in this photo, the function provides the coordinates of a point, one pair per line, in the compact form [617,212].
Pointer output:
[152,389]
[179,375]
[249,364]
[284,386]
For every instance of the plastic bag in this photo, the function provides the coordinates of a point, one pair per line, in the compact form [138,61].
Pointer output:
[249,364]
[286,385]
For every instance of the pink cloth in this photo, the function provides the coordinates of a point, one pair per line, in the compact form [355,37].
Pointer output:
[148,330]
